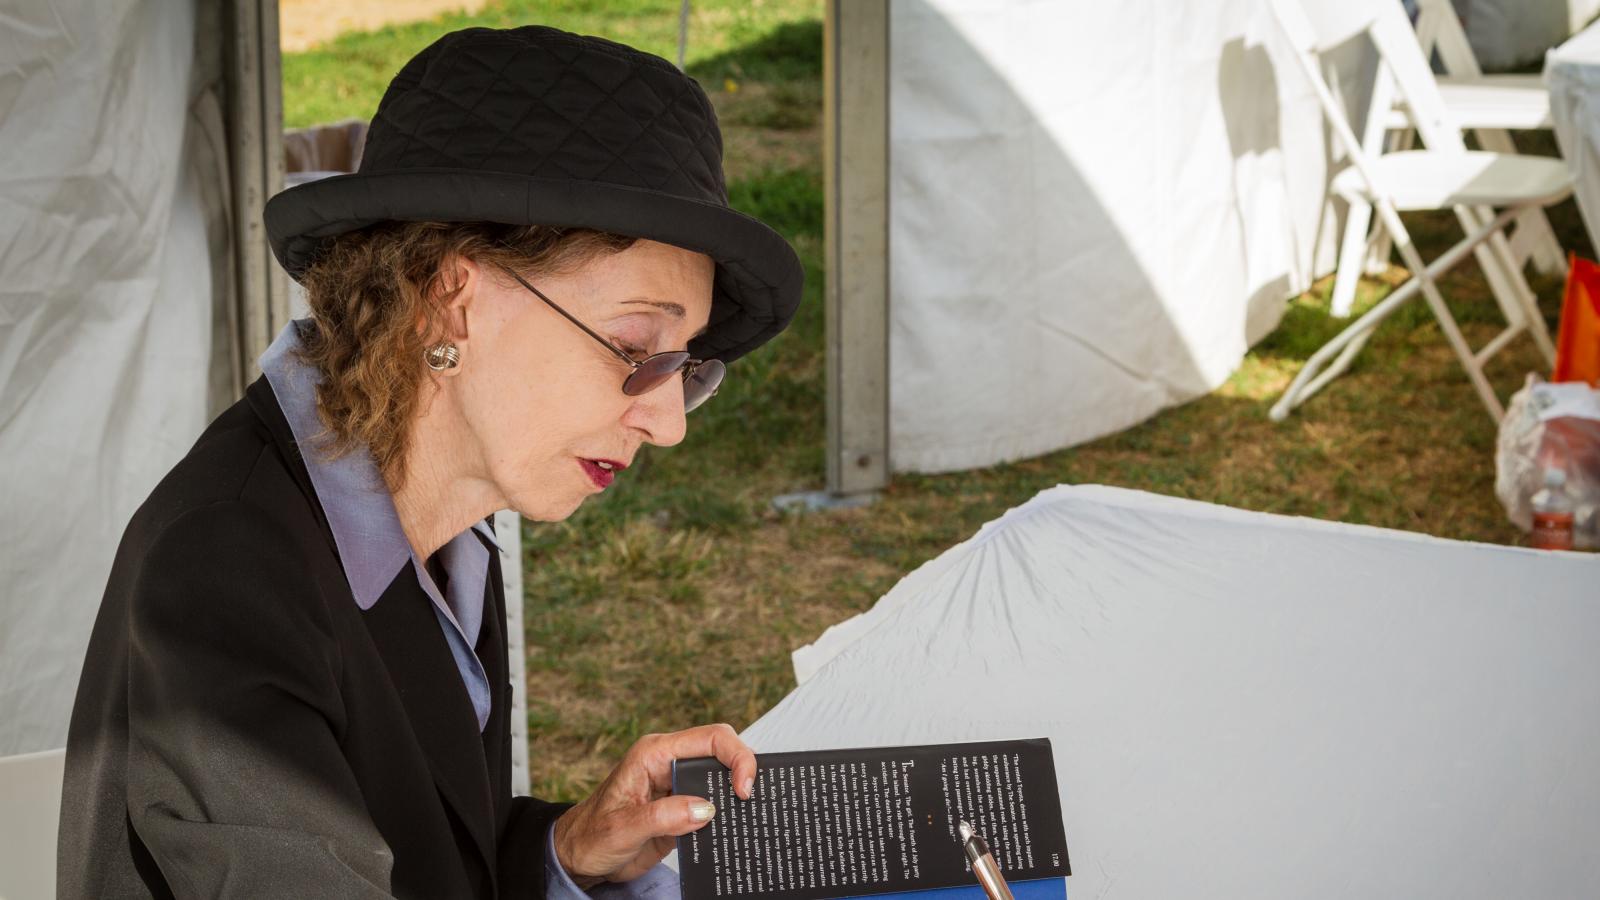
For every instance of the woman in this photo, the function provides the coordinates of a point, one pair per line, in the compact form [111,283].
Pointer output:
[297,682]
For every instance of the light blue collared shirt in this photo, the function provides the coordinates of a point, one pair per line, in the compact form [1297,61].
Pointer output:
[366,528]
[373,549]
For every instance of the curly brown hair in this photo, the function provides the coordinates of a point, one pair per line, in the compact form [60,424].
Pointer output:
[368,290]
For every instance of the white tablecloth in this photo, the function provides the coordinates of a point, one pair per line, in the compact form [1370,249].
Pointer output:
[1244,705]
[1572,73]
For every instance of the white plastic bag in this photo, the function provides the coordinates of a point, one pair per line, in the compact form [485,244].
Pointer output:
[1551,425]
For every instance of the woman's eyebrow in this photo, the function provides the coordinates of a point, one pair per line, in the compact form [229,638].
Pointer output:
[676,309]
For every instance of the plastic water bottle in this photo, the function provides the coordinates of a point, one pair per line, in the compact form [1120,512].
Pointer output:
[1552,512]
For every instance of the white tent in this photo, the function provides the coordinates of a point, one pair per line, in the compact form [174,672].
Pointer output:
[1247,705]
[142,137]
[112,206]
[1102,206]
[1093,210]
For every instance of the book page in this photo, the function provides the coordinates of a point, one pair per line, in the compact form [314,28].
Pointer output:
[854,822]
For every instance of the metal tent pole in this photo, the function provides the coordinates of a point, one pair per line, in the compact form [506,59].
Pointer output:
[856,238]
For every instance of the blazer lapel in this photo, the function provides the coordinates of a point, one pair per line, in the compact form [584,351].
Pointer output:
[407,634]
[491,652]
[408,637]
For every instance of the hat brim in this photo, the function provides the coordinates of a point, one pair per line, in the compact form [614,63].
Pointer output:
[758,280]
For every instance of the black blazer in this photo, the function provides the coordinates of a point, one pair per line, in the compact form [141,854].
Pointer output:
[243,729]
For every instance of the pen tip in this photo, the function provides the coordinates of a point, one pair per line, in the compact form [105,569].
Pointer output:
[965,831]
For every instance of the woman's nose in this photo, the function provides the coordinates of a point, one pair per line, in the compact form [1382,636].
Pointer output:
[659,413]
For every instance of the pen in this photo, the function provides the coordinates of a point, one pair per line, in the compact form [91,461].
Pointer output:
[983,864]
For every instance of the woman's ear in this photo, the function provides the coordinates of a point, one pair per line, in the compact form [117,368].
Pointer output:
[451,294]
[463,279]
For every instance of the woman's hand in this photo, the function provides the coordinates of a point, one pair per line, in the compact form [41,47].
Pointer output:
[628,824]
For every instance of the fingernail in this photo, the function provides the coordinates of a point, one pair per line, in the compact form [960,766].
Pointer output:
[750,787]
[701,812]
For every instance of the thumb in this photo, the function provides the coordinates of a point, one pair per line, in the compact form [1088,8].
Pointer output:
[670,817]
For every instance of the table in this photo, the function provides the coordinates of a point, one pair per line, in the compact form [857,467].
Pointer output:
[1572,75]
[1247,705]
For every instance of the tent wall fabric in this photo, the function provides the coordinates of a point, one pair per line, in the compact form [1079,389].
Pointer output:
[106,305]
[1243,704]
[1095,209]
[1509,33]
[128,313]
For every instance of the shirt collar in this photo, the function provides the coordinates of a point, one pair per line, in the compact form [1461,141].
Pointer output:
[361,513]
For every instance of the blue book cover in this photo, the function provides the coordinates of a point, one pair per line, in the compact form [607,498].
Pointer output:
[1038,889]
[847,824]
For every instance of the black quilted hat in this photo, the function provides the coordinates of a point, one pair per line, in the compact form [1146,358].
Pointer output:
[535,126]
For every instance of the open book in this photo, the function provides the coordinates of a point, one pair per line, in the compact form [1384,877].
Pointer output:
[833,824]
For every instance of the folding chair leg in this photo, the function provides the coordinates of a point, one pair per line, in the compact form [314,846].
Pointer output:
[1535,234]
[1527,301]
[1527,241]
[1516,298]
[1383,245]
[1352,252]
[1458,343]
[1341,362]
[1503,274]
[1503,278]
[1334,357]
[1534,239]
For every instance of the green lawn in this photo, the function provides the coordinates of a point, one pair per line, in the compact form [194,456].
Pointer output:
[766,40]
[677,599]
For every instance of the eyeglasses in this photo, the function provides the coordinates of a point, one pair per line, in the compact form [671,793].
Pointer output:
[700,376]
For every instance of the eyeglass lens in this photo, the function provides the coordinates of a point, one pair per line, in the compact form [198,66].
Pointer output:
[697,387]
[702,384]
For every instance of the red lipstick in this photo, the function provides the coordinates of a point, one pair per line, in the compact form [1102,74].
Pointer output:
[601,471]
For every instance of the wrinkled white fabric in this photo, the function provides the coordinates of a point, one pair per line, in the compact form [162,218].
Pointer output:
[105,319]
[1247,705]
[1572,74]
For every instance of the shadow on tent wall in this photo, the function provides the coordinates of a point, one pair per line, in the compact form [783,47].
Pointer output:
[1084,230]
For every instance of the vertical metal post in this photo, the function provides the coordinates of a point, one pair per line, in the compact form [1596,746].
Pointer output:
[255,145]
[508,533]
[856,235]
[683,32]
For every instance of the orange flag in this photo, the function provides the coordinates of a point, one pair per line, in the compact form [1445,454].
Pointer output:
[1578,340]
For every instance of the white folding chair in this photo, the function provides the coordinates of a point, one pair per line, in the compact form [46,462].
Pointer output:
[1490,106]
[1486,105]
[1445,176]
[1479,101]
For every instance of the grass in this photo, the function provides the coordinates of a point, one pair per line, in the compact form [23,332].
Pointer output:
[730,41]
[677,599]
